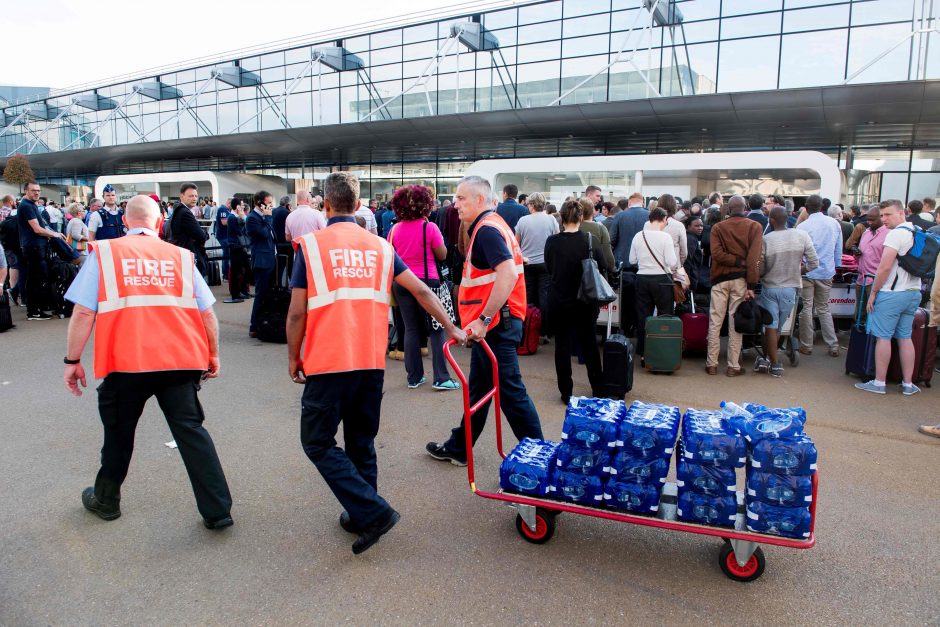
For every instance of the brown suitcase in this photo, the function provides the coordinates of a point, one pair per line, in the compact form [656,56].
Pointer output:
[925,351]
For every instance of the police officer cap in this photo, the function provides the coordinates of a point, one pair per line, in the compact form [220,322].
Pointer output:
[108,188]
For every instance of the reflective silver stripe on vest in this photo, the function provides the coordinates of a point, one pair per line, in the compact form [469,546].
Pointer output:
[113,301]
[324,296]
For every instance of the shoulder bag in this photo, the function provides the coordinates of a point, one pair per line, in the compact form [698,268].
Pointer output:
[678,290]
[444,287]
[594,290]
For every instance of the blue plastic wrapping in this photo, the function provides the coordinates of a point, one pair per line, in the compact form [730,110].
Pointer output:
[583,459]
[767,422]
[707,439]
[573,486]
[705,478]
[792,522]
[779,490]
[628,468]
[642,498]
[707,510]
[592,422]
[649,430]
[794,456]
[529,467]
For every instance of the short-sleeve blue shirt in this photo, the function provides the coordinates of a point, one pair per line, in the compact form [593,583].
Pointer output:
[84,289]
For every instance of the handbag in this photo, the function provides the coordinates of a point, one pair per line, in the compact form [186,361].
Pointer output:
[678,289]
[594,289]
[443,289]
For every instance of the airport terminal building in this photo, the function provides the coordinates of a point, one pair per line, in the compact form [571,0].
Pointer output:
[662,95]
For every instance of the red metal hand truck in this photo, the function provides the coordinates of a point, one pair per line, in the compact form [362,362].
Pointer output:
[740,557]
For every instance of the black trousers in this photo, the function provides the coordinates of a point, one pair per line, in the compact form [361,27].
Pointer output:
[238,271]
[579,322]
[121,400]
[537,282]
[36,277]
[652,291]
[628,321]
[355,400]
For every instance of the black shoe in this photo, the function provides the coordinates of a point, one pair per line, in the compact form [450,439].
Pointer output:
[38,316]
[234,300]
[347,524]
[246,295]
[104,511]
[218,523]
[438,451]
[371,534]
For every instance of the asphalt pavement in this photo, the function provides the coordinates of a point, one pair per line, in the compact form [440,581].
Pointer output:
[454,557]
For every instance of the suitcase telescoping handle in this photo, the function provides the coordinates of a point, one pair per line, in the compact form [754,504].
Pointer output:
[469,410]
[610,310]
[859,306]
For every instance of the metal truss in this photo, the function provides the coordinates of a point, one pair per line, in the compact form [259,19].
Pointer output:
[921,34]
[32,144]
[115,111]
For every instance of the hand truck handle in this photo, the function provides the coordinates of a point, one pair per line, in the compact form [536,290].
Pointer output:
[469,410]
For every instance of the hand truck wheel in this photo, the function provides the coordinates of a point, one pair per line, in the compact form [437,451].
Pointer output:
[753,569]
[544,527]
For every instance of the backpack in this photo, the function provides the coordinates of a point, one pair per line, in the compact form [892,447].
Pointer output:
[921,260]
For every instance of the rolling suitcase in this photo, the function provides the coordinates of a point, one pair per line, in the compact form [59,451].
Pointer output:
[663,352]
[6,316]
[272,310]
[925,351]
[214,275]
[618,363]
[860,356]
[531,331]
[694,331]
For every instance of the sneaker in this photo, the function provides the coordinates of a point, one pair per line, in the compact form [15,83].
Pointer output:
[450,384]
[761,364]
[38,316]
[438,451]
[776,370]
[933,430]
[412,386]
[869,386]
[909,389]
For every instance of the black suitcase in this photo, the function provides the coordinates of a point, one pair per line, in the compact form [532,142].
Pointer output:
[272,310]
[860,356]
[215,274]
[6,316]
[59,280]
[618,363]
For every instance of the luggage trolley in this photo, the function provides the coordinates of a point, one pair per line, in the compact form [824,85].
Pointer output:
[740,557]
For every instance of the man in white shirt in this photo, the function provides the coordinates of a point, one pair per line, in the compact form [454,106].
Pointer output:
[366,214]
[95,222]
[895,295]
[55,216]
[304,219]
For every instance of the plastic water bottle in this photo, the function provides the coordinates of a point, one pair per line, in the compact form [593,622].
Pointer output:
[730,410]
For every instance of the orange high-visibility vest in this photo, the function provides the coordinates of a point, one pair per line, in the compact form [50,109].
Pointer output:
[148,320]
[349,280]
[476,284]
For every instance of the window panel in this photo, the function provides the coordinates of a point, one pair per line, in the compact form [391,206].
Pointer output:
[228,117]
[326,107]
[540,32]
[814,19]
[252,64]
[389,55]
[490,93]
[386,39]
[423,50]
[540,12]
[879,11]
[422,32]
[704,61]
[870,41]
[272,74]
[810,59]
[270,121]
[591,25]
[539,52]
[500,19]
[924,185]
[700,31]
[186,124]
[586,7]
[748,64]
[357,45]
[538,83]
[751,25]
[298,109]
[381,73]
[271,60]
[413,69]
[247,109]
[506,37]
[586,45]
[626,20]
[893,186]
[574,71]
[744,7]
[699,9]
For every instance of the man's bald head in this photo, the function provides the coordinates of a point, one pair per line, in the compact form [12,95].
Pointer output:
[874,217]
[304,197]
[736,205]
[142,211]
[778,216]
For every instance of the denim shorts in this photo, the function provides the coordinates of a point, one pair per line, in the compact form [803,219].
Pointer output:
[893,315]
[779,301]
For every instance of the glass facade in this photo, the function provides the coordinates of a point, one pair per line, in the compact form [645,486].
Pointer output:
[558,51]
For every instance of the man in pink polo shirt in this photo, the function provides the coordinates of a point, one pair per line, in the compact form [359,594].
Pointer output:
[304,219]
[870,247]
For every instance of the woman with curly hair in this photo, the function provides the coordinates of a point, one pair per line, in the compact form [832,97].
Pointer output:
[420,245]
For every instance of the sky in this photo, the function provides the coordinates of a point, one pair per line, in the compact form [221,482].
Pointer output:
[75,42]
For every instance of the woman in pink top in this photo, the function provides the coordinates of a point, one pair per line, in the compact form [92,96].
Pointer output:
[420,245]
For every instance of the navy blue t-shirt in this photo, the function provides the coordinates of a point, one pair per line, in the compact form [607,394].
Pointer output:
[299,277]
[489,247]
[26,211]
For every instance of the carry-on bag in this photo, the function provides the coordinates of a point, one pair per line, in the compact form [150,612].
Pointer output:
[663,352]
[618,361]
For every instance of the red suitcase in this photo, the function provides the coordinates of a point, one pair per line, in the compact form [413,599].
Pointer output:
[531,331]
[925,351]
[694,331]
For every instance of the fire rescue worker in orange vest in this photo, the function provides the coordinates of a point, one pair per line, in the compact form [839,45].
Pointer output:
[156,336]
[337,332]
[492,304]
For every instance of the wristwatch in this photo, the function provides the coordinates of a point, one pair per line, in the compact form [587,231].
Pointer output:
[72,362]
[486,320]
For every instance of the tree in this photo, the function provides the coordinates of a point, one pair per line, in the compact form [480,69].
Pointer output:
[18,171]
